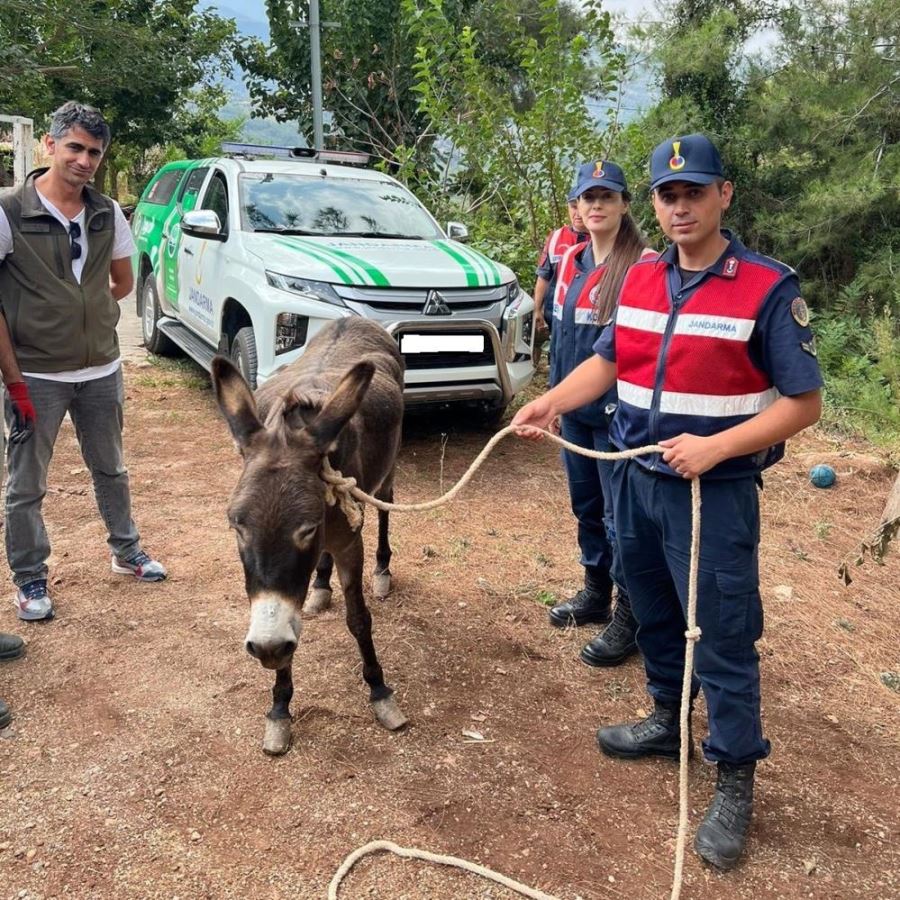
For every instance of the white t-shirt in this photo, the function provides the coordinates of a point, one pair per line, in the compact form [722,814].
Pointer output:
[123,247]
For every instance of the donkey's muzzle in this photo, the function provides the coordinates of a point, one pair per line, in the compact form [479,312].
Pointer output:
[275,626]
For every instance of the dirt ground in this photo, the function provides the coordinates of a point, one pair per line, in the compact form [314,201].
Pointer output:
[133,767]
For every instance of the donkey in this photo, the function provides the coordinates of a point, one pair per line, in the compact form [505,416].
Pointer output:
[342,399]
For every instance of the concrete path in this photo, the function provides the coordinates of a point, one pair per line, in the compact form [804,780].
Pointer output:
[131,343]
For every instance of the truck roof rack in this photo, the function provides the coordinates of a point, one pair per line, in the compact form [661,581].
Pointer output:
[266,151]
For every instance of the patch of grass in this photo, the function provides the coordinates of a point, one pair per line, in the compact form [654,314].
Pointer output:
[546,598]
[459,547]
[544,560]
[823,529]
[166,372]
[846,624]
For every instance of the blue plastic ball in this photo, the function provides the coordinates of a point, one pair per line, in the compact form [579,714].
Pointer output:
[822,476]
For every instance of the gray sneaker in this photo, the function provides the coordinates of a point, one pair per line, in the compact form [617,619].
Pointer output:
[32,602]
[141,566]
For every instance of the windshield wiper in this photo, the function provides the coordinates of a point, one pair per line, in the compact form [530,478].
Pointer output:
[280,230]
[392,236]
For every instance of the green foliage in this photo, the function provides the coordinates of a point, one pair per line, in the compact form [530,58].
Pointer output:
[506,157]
[367,67]
[151,66]
[809,129]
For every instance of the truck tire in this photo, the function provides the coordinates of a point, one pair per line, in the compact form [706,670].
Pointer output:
[154,340]
[243,355]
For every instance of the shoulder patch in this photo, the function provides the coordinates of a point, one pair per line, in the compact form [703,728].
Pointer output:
[800,312]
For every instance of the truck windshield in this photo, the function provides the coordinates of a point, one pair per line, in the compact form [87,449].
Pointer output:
[328,207]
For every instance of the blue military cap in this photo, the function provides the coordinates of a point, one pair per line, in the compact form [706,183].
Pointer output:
[692,158]
[602,173]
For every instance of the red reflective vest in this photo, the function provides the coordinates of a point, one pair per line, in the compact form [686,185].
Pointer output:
[686,367]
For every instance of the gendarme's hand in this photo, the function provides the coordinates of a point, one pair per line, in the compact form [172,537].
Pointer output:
[23,412]
[533,416]
[691,455]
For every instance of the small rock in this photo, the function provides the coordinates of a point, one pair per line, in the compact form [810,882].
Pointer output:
[784,592]
[195,835]
[30,855]
[809,866]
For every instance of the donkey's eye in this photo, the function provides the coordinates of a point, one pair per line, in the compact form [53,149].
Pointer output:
[304,535]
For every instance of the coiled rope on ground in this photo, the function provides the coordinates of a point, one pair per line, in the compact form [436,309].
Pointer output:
[345,492]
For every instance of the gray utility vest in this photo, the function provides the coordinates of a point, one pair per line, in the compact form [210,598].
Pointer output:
[57,324]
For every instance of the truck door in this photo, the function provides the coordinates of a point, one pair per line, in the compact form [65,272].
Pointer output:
[171,234]
[201,266]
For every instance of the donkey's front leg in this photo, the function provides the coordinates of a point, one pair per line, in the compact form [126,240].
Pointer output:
[359,621]
[277,739]
[319,598]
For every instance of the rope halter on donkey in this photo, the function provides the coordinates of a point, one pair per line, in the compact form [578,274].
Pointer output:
[342,490]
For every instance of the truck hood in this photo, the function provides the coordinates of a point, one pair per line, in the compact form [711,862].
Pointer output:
[377,262]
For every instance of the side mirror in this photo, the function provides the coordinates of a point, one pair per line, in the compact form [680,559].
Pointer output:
[203,223]
[456,231]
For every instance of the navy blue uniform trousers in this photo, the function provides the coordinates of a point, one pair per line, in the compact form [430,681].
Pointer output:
[590,495]
[653,523]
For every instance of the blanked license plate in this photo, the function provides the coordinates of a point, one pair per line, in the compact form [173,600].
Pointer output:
[442,343]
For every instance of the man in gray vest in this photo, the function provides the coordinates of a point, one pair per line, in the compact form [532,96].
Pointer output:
[65,262]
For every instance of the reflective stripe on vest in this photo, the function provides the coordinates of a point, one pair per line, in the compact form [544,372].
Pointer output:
[567,272]
[694,360]
[560,241]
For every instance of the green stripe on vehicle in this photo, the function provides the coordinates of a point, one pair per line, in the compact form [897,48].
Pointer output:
[479,262]
[357,263]
[468,268]
[326,254]
[317,257]
[493,266]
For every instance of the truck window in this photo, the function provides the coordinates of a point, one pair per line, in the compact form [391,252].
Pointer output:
[187,196]
[163,188]
[216,199]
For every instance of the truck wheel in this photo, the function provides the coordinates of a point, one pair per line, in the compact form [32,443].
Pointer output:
[243,355]
[492,416]
[154,340]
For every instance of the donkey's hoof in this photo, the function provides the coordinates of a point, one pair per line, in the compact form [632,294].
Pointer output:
[277,739]
[381,585]
[389,714]
[319,600]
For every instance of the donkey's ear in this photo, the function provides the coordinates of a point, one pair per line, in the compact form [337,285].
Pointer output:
[341,405]
[235,400]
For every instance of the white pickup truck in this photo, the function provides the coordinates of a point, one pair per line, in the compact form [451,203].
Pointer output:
[251,256]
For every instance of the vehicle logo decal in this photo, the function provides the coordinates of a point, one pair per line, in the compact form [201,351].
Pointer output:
[468,268]
[436,305]
[317,257]
[364,268]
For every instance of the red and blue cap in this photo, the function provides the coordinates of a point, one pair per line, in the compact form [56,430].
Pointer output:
[602,173]
[692,158]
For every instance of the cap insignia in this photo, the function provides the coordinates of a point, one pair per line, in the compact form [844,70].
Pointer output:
[677,161]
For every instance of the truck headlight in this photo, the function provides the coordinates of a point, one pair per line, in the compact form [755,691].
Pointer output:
[290,332]
[512,292]
[317,290]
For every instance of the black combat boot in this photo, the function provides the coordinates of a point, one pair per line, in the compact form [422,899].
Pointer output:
[657,735]
[723,832]
[5,715]
[616,642]
[591,604]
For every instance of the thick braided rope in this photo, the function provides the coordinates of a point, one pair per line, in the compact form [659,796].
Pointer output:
[345,491]
[414,853]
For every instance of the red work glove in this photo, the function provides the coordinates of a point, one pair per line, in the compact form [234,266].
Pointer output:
[23,412]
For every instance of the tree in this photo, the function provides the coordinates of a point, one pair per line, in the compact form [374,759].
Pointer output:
[367,64]
[152,67]
[504,163]
[809,129]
